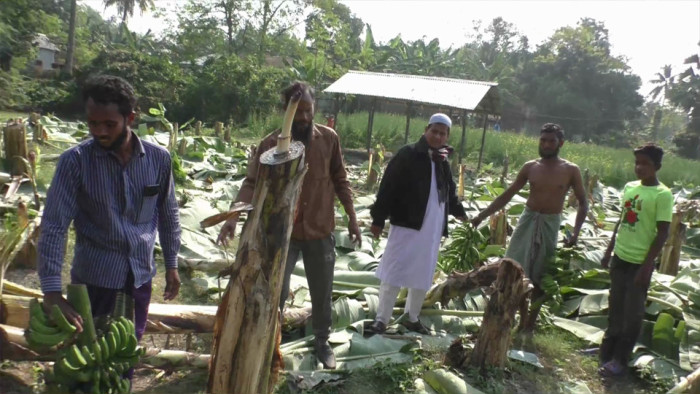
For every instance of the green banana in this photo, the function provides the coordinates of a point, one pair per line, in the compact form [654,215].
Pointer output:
[61,320]
[65,367]
[97,351]
[112,342]
[128,324]
[105,349]
[75,357]
[96,381]
[88,356]
[36,311]
[37,326]
[119,333]
[123,330]
[47,339]
[129,348]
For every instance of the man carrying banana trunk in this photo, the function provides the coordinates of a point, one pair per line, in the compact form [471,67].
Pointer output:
[534,240]
[314,222]
[417,193]
[118,191]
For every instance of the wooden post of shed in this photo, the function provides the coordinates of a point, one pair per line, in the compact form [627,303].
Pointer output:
[218,127]
[198,128]
[370,123]
[483,140]
[14,136]
[463,140]
[409,106]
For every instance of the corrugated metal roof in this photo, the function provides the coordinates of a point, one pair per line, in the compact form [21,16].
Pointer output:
[456,93]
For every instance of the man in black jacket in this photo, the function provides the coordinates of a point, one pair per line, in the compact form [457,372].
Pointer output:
[416,194]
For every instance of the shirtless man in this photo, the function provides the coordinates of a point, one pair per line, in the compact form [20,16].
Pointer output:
[534,240]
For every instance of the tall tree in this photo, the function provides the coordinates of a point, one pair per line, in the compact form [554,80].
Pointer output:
[126,7]
[685,94]
[574,80]
[276,18]
[70,51]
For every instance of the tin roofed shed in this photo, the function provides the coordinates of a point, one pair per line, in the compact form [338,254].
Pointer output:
[460,94]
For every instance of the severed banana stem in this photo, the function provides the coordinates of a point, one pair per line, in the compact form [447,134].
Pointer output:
[286,134]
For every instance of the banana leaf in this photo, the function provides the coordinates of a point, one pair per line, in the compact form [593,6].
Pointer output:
[445,382]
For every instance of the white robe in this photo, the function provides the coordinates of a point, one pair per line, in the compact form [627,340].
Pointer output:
[410,256]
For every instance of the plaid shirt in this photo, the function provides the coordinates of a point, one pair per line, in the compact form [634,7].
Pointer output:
[116,211]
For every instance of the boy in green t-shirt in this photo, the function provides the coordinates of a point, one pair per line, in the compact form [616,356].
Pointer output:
[647,207]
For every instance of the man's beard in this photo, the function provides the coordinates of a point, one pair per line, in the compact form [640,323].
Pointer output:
[301,132]
[551,155]
[119,141]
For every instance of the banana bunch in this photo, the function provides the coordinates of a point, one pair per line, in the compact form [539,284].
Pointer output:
[549,285]
[103,362]
[462,254]
[44,331]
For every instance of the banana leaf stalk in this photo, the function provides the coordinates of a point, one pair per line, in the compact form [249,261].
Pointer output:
[688,384]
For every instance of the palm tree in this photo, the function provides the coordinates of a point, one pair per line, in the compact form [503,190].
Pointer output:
[126,7]
[664,82]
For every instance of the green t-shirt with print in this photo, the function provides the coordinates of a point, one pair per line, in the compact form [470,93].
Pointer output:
[642,207]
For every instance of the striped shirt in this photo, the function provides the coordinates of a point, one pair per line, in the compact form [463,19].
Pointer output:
[116,211]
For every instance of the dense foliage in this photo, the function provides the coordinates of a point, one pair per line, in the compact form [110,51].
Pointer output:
[226,60]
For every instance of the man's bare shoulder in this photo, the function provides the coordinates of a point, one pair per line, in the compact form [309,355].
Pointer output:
[570,166]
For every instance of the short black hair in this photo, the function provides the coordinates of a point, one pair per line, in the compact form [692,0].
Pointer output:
[297,86]
[110,89]
[553,128]
[652,151]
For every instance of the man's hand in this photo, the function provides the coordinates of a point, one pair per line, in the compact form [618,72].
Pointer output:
[172,284]
[56,298]
[228,230]
[476,220]
[355,235]
[376,231]
[643,277]
[605,261]
[571,241]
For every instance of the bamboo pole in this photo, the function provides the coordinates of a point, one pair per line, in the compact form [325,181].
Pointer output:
[483,141]
[245,350]
[463,140]
[409,105]
[370,125]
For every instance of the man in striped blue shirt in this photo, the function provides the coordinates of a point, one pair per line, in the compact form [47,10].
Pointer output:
[118,191]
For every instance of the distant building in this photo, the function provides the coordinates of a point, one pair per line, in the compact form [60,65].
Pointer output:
[46,55]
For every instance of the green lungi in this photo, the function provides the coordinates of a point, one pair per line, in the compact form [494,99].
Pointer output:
[534,242]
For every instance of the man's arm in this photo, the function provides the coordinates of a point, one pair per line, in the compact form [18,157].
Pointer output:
[456,208]
[664,215]
[61,208]
[342,189]
[505,197]
[387,190]
[169,229]
[605,262]
[245,194]
[580,193]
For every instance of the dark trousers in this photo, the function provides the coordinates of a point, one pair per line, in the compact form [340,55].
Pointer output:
[627,305]
[102,301]
[319,263]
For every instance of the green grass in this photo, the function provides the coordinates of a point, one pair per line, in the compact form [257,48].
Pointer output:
[614,167]
[5,115]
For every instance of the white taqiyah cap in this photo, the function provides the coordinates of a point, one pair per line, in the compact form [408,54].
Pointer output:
[440,118]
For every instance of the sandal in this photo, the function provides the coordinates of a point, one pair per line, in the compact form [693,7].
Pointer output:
[611,369]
